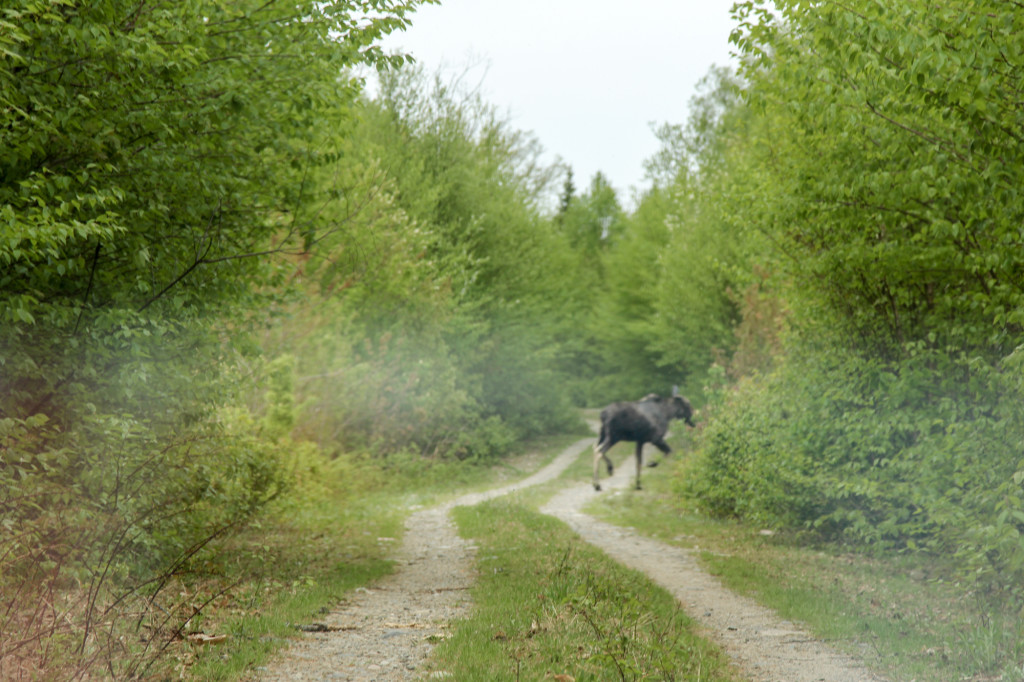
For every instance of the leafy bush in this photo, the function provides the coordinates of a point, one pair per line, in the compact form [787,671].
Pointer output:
[923,455]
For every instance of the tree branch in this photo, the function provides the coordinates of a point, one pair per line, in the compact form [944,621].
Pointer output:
[88,288]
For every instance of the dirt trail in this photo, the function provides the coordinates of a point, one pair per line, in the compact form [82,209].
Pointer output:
[385,633]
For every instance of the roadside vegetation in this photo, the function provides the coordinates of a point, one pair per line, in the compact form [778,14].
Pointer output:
[877,152]
[906,617]
[232,283]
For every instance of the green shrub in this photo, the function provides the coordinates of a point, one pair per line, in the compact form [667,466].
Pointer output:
[922,455]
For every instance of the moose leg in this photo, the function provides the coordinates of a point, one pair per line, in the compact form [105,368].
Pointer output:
[663,446]
[601,452]
[639,462]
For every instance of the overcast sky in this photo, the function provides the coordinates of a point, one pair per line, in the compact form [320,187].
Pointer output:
[587,77]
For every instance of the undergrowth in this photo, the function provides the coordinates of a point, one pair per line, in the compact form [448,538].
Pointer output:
[287,572]
[920,456]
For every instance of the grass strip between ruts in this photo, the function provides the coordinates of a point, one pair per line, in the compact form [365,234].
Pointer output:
[546,604]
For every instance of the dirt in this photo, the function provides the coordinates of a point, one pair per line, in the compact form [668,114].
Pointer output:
[386,632]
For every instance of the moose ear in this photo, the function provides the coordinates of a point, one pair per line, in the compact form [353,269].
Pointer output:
[683,402]
[675,390]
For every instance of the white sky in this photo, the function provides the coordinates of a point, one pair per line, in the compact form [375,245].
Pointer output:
[587,77]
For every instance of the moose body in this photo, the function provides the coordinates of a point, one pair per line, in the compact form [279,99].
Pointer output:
[643,421]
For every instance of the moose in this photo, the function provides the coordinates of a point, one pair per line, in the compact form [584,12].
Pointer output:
[643,421]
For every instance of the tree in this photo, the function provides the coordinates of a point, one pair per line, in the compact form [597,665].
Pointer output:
[623,319]
[565,199]
[897,162]
[595,219]
[497,290]
[154,159]
[675,273]
[698,145]
[883,165]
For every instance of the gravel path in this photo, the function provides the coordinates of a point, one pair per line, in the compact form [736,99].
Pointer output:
[385,633]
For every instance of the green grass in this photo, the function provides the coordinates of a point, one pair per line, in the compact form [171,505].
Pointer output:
[290,570]
[579,471]
[899,613]
[548,604]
